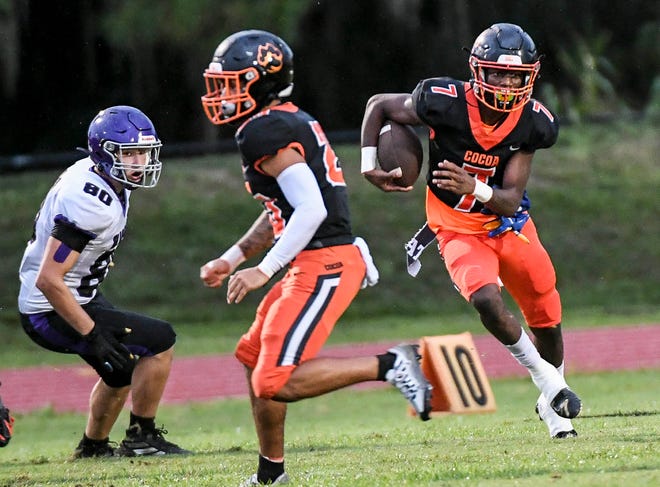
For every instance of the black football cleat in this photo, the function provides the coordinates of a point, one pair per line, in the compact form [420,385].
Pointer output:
[94,449]
[139,442]
[566,434]
[566,404]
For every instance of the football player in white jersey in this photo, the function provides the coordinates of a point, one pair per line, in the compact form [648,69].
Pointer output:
[77,229]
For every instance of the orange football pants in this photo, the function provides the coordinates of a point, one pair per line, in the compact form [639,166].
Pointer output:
[524,268]
[296,317]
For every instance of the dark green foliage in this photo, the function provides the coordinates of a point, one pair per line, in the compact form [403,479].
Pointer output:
[152,55]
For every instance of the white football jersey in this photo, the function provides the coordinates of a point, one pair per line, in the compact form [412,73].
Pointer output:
[88,201]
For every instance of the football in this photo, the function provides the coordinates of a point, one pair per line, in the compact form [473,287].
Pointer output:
[399,146]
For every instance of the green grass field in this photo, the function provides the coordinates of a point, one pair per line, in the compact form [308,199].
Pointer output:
[365,438]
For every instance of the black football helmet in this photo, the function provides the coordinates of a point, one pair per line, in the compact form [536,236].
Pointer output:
[249,69]
[504,47]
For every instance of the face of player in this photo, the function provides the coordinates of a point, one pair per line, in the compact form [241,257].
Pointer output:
[133,162]
[507,80]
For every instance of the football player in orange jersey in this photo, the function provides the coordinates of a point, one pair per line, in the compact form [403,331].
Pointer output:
[483,135]
[291,169]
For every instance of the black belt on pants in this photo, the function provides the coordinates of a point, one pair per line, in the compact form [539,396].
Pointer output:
[320,243]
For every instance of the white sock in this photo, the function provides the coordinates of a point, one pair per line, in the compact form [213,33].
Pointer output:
[560,369]
[544,375]
[524,351]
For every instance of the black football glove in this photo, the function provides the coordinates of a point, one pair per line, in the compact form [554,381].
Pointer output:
[6,425]
[105,345]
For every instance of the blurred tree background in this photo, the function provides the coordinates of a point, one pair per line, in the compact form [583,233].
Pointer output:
[60,62]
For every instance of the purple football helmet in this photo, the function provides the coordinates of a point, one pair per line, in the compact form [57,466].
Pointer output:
[118,130]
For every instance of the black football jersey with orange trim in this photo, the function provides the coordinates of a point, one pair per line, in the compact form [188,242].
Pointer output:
[449,107]
[277,128]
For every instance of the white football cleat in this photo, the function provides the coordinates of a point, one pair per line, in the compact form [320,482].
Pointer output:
[557,426]
[407,376]
[254,480]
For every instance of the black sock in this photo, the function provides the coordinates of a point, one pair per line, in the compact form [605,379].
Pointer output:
[385,363]
[268,470]
[148,424]
[89,441]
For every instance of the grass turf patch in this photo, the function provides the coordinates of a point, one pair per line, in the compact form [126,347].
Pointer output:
[365,438]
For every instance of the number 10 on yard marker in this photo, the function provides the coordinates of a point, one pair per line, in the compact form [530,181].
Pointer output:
[452,365]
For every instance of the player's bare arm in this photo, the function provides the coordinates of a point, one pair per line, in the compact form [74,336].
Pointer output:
[506,200]
[385,106]
[57,261]
[257,239]
[273,166]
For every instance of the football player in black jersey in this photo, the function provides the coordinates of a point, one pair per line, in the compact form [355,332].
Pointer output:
[483,135]
[291,169]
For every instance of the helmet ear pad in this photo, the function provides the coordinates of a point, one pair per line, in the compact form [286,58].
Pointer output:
[249,69]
